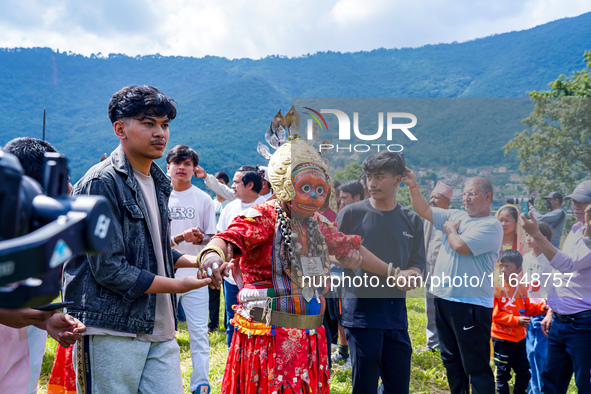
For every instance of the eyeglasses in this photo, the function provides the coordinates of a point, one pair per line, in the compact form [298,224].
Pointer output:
[471,195]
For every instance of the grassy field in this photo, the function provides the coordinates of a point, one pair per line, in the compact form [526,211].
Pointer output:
[427,375]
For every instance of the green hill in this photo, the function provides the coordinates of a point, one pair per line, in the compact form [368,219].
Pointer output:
[226,105]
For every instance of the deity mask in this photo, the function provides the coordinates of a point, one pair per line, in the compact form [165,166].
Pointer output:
[295,155]
[311,190]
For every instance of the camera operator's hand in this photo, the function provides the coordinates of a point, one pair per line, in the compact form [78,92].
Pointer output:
[65,329]
[18,318]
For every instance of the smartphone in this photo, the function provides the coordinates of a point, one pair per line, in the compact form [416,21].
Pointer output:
[525,208]
[57,305]
[403,164]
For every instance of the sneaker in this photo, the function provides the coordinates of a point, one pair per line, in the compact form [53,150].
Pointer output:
[202,389]
[338,359]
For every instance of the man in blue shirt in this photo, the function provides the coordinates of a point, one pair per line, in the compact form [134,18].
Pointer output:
[462,282]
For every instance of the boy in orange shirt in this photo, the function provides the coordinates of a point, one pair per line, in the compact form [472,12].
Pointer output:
[510,321]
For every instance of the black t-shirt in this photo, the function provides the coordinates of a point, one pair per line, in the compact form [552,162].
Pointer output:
[394,236]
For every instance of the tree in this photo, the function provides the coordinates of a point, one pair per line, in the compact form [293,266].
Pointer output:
[351,172]
[555,151]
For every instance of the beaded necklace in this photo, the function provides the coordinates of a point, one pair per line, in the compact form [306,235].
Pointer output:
[314,263]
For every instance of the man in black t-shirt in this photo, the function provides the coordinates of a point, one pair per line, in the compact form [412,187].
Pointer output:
[374,316]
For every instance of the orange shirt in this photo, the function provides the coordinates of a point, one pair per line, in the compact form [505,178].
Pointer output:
[508,301]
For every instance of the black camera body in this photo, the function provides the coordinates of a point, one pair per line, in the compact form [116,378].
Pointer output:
[519,200]
[40,231]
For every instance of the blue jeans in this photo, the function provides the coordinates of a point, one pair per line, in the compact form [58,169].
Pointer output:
[110,364]
[536,345]
[569,351]
[231,299]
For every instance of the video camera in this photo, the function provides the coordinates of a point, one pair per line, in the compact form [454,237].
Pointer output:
[519,200]
[40,231]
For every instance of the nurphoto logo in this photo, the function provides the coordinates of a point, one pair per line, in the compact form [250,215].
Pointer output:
[395,121]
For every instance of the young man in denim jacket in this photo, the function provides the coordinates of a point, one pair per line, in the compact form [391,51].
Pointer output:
[124,295]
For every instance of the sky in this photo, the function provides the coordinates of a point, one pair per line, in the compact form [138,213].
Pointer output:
[259,28]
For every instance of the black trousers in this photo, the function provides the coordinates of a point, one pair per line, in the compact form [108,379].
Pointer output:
[511,355]
[376,353]
[214,309]
[464,342]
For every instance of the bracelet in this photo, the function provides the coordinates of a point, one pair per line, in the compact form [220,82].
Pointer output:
[208,249]
[172,242]
[412,187]
[389,270]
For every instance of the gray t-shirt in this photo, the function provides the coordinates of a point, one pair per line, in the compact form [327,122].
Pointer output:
[467,278]
[164,324]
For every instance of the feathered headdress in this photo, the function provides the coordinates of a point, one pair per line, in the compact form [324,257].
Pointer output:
[291,152]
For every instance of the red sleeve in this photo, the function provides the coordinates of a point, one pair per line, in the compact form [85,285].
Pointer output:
[338,243]
[502,317]
[249,232]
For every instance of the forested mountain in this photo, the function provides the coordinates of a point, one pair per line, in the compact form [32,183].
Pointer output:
[226,105]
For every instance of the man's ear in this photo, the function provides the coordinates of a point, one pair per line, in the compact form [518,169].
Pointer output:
[249,185]
[168,168]
[119,129]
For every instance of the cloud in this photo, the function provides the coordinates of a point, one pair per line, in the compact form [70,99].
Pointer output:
[240,28]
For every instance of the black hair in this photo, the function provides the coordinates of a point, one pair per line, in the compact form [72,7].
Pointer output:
[336,184]
[512,256]
[140,101]
[546,230]
[513,211]
[223,176]
[384,161]
[354,188]
[252,174]
[30,152]
[181,153]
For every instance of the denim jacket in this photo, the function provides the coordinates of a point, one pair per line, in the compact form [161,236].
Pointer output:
[108,290]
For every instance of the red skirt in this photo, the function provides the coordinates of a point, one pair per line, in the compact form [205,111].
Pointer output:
[279,360]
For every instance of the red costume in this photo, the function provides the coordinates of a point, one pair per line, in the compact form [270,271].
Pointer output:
[265,358]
